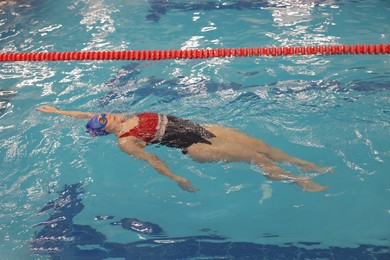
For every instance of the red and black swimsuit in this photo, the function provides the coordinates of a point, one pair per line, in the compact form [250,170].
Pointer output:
[168,130]
[146,129]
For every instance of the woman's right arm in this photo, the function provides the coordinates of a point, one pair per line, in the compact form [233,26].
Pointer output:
[134,149]
[76,114]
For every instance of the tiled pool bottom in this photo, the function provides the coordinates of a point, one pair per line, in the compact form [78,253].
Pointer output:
[60,238]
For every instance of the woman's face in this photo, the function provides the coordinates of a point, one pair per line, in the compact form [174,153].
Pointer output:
[110,119]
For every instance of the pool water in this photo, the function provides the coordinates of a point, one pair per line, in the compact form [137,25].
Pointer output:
[61,189]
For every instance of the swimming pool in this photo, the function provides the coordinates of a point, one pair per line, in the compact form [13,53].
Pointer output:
[61,189]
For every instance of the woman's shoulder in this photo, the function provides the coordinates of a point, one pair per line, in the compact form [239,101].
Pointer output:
[130,143]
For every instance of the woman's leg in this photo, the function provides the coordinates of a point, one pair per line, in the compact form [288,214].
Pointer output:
[274,172]
[278,155]
[234,136]
[220,150]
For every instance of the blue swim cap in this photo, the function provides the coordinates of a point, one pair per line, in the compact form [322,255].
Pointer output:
[95,125]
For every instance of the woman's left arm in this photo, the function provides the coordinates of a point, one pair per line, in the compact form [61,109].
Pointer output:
[76,114]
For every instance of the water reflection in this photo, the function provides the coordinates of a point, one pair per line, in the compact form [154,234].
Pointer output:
[97,18]
[301,22]
[158,8]
[61,237]
[5,99]
[293,12]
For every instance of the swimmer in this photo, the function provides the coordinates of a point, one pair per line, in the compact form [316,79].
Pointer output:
[203,143]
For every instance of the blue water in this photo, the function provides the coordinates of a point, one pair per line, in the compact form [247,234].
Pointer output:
[331,110]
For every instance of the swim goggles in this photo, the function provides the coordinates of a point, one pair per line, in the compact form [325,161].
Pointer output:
[96,124]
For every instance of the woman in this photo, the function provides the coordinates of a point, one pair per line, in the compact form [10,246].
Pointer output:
[203,143]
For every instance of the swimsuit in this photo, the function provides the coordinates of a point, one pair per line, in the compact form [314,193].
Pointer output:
[169,131]
[146,130]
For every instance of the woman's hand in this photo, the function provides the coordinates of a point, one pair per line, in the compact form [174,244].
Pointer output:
[185,184]
[48,109]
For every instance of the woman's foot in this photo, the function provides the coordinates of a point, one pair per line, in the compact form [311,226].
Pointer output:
[308,185]
[310,167]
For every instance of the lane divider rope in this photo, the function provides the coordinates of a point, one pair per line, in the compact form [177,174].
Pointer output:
[198,53]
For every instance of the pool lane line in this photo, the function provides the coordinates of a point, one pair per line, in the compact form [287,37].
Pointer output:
[198,53]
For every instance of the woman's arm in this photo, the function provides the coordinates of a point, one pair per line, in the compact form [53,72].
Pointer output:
[135,149]
[76,114]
